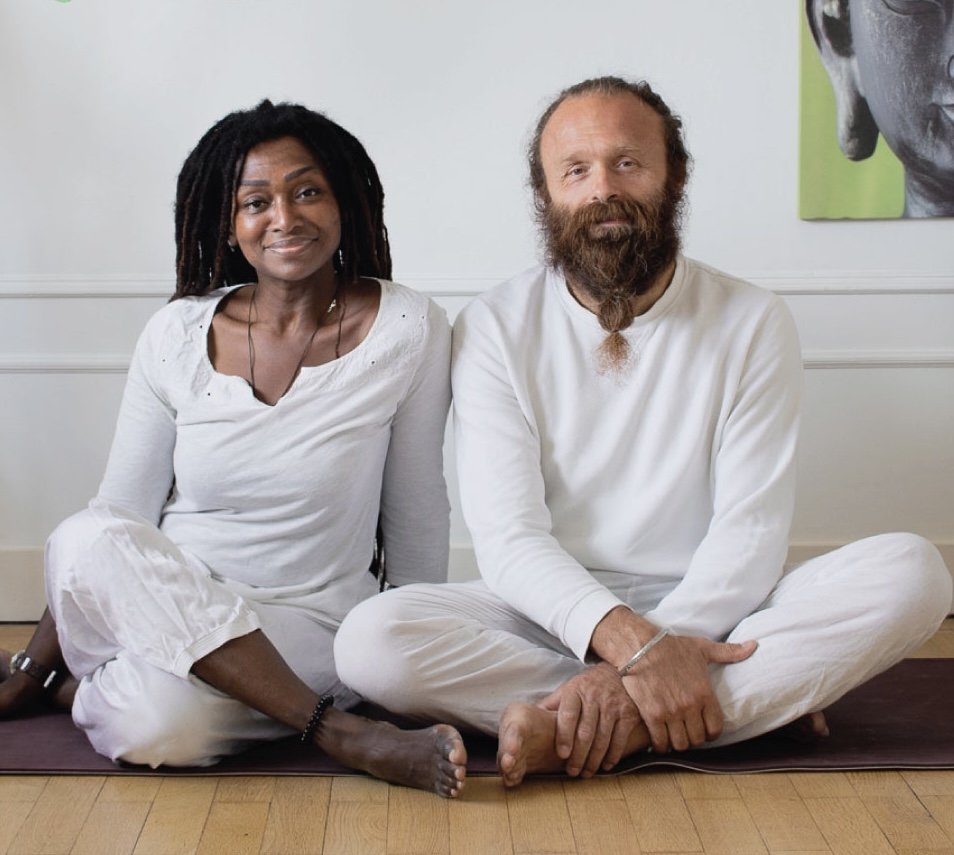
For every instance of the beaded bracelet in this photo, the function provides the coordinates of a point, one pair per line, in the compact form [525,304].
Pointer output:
[639,654]
[320,708]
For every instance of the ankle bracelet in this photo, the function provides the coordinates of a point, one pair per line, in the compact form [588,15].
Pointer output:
[316,714]
[20,661]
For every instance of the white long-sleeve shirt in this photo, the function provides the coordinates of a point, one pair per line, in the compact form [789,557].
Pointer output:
[283,501]
[678,472]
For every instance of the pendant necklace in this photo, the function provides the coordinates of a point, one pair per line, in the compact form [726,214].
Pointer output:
[304,353]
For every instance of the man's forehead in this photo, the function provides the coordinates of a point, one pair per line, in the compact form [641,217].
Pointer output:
[619,119]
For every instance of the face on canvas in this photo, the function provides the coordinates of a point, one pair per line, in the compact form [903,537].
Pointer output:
[904,52]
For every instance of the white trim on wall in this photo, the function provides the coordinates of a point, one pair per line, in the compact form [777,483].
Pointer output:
[152,287]
[820,359]
[878,359]
[64,363]
[825,283]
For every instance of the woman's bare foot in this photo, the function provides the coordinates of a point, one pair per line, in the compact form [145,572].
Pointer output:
[526,743]
[431,759]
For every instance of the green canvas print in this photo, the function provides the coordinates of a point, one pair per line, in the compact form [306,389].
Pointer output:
[877,109]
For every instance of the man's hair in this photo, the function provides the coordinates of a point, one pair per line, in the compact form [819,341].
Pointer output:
[677,157]
[206,190]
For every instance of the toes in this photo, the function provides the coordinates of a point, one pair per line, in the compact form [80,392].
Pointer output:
[449,791]
[511,769]
[456,753]
[452,771]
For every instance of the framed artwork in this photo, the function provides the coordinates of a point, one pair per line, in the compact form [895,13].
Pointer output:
[877,109]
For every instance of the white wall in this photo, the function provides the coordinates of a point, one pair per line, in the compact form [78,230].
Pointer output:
[102,99]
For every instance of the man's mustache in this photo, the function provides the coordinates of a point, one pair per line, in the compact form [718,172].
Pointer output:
[629,211]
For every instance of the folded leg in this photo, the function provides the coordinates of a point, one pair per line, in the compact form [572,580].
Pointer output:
[454,653]
[831,624]
[133,614]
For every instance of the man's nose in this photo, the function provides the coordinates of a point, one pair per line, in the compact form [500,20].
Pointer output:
[604,185]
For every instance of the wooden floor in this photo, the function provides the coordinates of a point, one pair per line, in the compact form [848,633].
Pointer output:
[866,813]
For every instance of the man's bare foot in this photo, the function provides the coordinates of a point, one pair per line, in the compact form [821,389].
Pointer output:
[431,759]
[526,743]
[808,728]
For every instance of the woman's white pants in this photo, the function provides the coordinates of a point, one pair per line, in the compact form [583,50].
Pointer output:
[133,613]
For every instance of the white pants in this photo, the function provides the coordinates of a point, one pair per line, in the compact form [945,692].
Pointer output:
[458,653]
[133,613]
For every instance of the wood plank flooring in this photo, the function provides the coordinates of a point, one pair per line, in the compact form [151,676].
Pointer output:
[664,813]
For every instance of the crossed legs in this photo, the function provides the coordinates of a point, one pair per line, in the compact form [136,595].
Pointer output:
[173,668]
[460,654]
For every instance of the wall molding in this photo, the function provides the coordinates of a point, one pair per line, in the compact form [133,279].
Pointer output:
[70,287]
[43,286]
[64,363]
[849,359]
[859,284]
[117,363]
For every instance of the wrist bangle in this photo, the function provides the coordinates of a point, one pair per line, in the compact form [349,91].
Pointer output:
[639,654]
[315,720]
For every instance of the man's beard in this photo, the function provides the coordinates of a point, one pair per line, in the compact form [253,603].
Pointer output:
[613,264]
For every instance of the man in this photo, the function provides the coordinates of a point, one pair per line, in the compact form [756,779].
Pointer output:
[891,66]
[626,427]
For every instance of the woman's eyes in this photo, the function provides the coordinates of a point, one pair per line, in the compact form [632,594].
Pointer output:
[255,204]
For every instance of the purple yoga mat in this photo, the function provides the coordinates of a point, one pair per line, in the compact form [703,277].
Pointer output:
[902,719]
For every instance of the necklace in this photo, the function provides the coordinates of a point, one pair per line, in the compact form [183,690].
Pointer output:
[304,353]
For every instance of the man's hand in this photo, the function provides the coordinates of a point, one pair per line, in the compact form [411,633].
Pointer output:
[671,689]
[595,719]
[670,684]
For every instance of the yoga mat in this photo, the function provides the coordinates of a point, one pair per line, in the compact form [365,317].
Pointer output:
[901,719]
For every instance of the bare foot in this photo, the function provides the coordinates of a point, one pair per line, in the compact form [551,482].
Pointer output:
[431,759]
[808,728]
[526,743]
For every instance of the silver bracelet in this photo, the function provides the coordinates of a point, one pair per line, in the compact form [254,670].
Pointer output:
[639,654]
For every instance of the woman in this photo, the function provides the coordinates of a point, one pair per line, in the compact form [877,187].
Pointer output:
[265,429]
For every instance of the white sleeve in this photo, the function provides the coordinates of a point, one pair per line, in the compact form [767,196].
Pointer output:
[503,495]
[742,556]
[139,471]
[415,512]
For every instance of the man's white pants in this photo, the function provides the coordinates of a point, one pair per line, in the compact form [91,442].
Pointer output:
[460,654]
[133,613]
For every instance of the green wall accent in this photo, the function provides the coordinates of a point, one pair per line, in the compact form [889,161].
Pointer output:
[831,186]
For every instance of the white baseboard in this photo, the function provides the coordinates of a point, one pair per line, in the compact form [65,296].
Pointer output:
[22,598]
